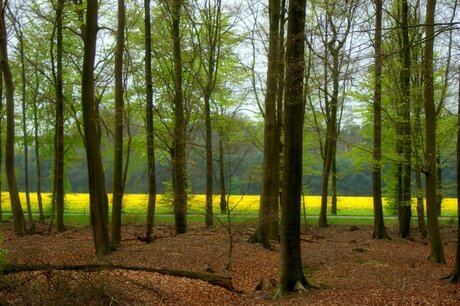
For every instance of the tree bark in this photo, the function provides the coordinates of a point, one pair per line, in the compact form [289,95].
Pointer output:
[436,247]
[58,181]
[149,118]
[213,32]
[223,191]
[98,195]
[403,130]
[213,279]
[454,277]
[268,228]
[31,224]
[379,223]
[292,275]
[18,216]
[118,145]
[179,175]
[37,157]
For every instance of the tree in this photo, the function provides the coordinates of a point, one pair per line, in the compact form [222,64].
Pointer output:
[379,224]
[267,228]
[209,40]
[436,248]
[179,148]
[20,37]
[454,277]
[118,145]
[403,146]
[92,129]
[292,275]
[18,217]
[58,182]
[149,118]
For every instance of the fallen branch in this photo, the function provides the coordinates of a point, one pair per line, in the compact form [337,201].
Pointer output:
[216,280]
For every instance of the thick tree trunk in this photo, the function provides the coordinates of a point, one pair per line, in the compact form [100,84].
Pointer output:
[179,139]
[1,141]
[149,118]
[292,275]
[18,216]
[118,145]
[379,224]
[98,195]
[436,247]
[267,229]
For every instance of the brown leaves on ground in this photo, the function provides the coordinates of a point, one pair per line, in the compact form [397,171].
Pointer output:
[348,267]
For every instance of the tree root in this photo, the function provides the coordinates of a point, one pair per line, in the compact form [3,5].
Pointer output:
[216,280]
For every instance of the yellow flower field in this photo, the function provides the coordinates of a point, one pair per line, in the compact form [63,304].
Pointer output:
[248,204]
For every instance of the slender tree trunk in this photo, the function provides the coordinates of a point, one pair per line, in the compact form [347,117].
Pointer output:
[179,175]
[436,248]
[118,146]
[404,203]
[18,216]
[37,157]
[268,213]
[420,205]
[213,30]
[223,192]
[292,275]
[334,185]
[379,224]
[98,195]
[31,224]
[455,275]
[439,183]
[59,125]
[331,138]
[149,118]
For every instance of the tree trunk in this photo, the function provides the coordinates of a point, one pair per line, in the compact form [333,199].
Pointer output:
[292,275]
[213,31]
[18,216]
[420,205]
[439,183]
[118,145]
[436,247]
[1,141]
[404,138]
[149,118]
[98,195]
[334,184]
[379,223]
[213,279]
[31,224]
[267,228]
[59,125]
[37,159]
[223,192]
[454,277]
[179,145]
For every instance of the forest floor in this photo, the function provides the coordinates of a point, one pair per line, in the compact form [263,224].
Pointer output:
[344,263]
